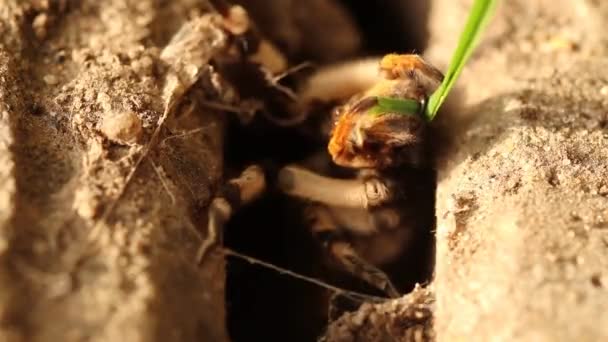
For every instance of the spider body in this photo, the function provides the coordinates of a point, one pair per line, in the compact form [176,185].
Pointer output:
[384,145]
[368,136]
[379,134]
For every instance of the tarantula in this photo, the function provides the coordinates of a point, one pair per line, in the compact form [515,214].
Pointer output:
[379,132]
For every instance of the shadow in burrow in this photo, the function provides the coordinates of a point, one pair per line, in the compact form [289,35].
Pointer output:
[263,304]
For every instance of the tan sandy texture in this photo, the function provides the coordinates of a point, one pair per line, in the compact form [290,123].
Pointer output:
[100,210]
[82,88]
[522,198]
[409,318]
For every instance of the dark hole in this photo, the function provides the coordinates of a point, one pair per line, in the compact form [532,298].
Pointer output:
[391,25]
[262,304]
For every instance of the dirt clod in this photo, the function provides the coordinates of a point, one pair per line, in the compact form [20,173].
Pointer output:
[409,318]
[122,127]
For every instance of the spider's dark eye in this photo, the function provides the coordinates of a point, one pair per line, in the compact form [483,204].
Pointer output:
[373,147]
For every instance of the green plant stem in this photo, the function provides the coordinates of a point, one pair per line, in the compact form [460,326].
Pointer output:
[479,16]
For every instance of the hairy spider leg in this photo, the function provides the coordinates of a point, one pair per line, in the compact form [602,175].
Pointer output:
[411,66]
[235,193]
[328,192]
[330,235]
[351,193]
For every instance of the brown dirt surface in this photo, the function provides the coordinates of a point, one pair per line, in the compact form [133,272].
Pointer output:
[409,318]
[83,87]
[522,195]
[109,162]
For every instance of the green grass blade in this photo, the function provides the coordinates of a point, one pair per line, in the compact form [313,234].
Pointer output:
[393,105]
[479,16]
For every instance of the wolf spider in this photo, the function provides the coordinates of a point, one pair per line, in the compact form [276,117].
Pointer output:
[361,221]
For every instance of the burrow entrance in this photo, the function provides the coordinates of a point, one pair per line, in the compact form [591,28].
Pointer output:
[262,304]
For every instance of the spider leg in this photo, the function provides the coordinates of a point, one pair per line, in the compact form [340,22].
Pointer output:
[340,81]
[329,84]
[351,193]
[326,230]
[236,192]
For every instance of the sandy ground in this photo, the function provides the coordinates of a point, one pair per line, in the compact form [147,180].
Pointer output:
[409,318]
[109,162]
[522,192]
[97,244]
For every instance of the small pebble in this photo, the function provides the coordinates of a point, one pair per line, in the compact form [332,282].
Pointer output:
[39,25]
[123,128]
[50,79]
